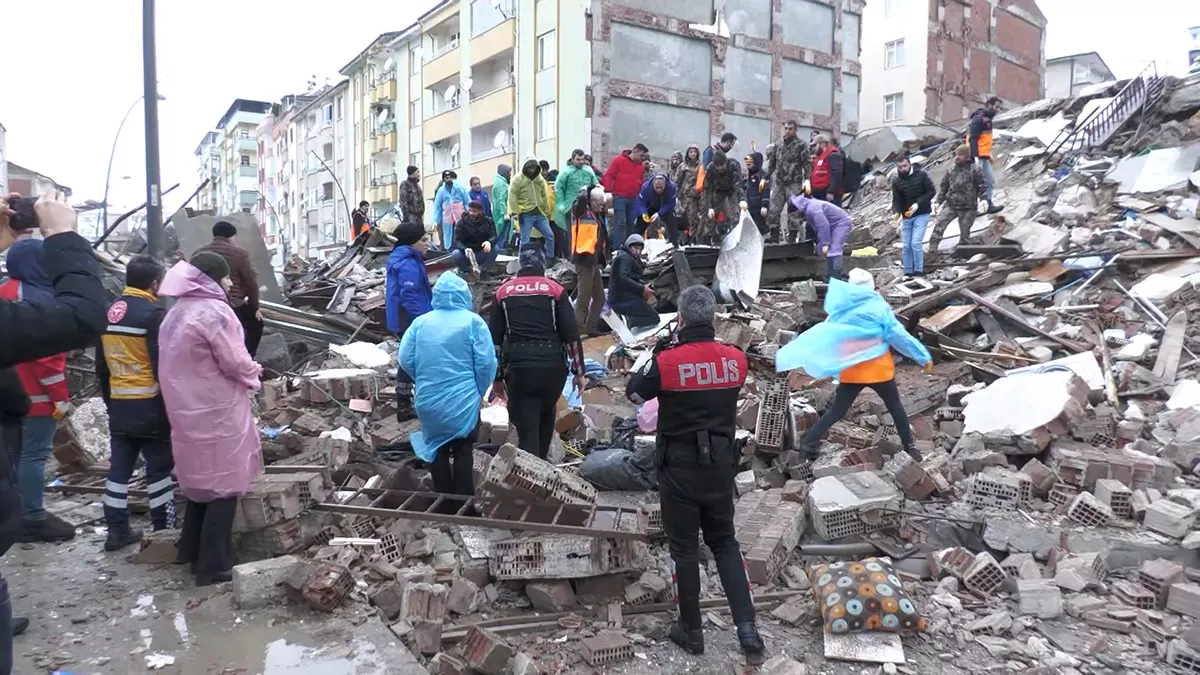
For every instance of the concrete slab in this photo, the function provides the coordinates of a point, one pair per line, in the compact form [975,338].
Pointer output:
[196,232]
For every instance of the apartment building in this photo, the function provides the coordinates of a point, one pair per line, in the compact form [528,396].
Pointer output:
[208,167]
[278,177]
[228,156]
[320,161]
[937,60]
[1066,76]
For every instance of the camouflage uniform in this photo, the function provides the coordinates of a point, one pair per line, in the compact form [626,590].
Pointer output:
[688,198]
[722,194]
[788,164]
[962,188]
[411,202]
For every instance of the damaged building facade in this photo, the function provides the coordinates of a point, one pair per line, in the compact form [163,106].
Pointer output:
[937,60]
[665,74]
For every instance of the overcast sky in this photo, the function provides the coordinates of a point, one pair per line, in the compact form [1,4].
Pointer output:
[73,68]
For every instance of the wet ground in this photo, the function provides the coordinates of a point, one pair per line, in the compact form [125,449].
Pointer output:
[94,612]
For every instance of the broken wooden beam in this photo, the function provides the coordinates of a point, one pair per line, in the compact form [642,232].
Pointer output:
[1069,345]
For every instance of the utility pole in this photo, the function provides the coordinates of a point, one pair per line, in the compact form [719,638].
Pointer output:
[154,217]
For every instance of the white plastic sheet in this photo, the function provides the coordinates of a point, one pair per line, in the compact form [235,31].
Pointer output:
[739,264]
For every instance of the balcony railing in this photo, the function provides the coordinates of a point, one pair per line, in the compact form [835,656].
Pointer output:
[453,44]
[450,107]
[383,129]
[476,95]
[248,170]
[386,76]
[385,179]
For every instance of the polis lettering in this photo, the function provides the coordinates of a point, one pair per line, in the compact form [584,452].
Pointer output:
[709,373]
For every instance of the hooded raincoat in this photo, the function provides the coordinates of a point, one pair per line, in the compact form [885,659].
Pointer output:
[450,356]
[448,207]
[566,188]
[205,372]
[830,222]
[500,204]
[861,327]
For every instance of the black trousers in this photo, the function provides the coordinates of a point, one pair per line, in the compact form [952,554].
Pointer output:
[159,484]
[843,398]
[699,496]
[637,312]
[533,391]
[452,470]
[207,536]
[251,326]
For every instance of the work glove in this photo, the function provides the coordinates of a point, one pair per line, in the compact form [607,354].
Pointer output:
[763,212]
[712,214]
[928,368]
[937,208]
[654,218]
[743,206]
[487,247]
[762,184]
[646,217]
[61,408]
[897,217]
[911,210]
[807,188]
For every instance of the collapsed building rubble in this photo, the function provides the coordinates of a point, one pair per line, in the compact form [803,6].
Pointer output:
[1050,525]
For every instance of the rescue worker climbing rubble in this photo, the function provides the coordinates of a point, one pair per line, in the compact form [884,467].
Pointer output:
[127,367]
[537,340]
[696,382]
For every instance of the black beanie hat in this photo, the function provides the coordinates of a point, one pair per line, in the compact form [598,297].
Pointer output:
[211,264]
[409,233]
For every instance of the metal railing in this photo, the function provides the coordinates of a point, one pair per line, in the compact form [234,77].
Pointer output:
[1098,127]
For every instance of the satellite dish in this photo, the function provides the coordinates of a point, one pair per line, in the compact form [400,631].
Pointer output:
[387,65]
[451,92]
[454,150]
[383,115]
[501,136]
[466,83]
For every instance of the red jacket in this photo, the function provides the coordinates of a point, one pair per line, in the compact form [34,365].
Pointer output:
[624,177]
[45,380]
[827,170]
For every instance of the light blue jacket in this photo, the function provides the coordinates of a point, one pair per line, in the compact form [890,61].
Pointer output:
[861,326]
[455,195]
[449,354]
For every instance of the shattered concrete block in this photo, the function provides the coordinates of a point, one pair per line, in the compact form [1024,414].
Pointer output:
[550,596]
[1134,594]
[427,635]
[1021,566]
[1184,598]
[330,453]
[606,648]
[999,489]
[1079,605]
[1061,495]
[486,652]
[560,556]
[745,482]
[782,665]
[273,393]
[389,598]
[795,491]
[601,589]
[985,576]
[322,586]
[278,497]
[158,548]
[463,597]
[637,595]
[1158,575]
[447,663]
[1039,597]
[523,664]
[1038,405]
[793,611]
[310,424]
[768,530]
[996,624]
[1100,619]
[1116,496]
[1086,510]
[1181,658]
[423,601]
[956,562]
[1041,476]
[259,584]
[836,502]
[1170,519]
[516,478]
[1078,571]
[912,478]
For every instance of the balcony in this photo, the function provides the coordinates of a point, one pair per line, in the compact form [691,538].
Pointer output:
[247,144]
[487,166]
[384,192]
[493,105]
[384,142]
[441,126]
[384,91]
[442,64]
[245,170]
[500,39]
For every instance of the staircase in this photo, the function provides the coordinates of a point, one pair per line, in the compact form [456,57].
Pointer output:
[1103,123]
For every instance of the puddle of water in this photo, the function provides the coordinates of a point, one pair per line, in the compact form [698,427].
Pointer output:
[285,658]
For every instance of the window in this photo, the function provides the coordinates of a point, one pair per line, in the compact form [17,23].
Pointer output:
[327,114]
[414,114]
[357,132]
[414,60]
[245,160]
[327,192]
[327,151]
[357,178]
[893,107]
[891,7]
[339,108]
[547,50]
[414,159]
[546,122]
[893,54]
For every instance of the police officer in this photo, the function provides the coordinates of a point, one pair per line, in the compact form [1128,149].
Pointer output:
[127,367]
[696,382]
[536,337]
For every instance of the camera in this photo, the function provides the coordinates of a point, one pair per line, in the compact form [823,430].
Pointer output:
[25,218]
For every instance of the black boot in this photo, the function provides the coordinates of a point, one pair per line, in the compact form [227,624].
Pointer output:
[692,640]
[120,537]
[214,578]
[50,529]
[19,625]
[809,451]
[748,638]
[914,453]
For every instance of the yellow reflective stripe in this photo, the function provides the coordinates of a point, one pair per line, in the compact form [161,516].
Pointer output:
[125,330]
[135,391]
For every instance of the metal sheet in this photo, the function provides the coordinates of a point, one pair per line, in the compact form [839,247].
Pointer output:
[869,647]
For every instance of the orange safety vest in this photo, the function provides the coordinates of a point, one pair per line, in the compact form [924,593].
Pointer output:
[585,234]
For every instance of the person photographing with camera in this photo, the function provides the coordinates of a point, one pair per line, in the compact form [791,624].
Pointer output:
[72,320]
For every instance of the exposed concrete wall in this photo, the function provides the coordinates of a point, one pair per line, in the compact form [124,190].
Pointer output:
[779,60]
[194,233]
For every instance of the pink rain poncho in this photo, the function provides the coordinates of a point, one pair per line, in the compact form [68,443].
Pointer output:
[205,372]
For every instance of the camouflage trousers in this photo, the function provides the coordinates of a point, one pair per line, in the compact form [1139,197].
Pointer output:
[780,194]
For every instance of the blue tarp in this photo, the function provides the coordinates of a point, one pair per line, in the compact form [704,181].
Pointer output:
[861,326]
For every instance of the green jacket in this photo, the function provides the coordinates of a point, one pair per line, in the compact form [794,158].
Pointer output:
[525,195]
[499,201]
[566,188]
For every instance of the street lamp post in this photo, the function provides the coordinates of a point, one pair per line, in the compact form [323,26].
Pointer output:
[154,219]
[111,155]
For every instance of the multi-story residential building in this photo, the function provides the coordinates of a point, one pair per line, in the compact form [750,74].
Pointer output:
[279,181]
[208,167]
[238,127]
[385,119]
[3,163]
[1066,76]
[936,60]
[30,183]
[319,156]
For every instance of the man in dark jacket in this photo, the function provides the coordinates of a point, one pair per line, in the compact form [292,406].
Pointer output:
[758,191]
[243,294]
[407,295]
[127,367]
[656,207]
[410,198]
[697,383]
[912,202]
[28,332]
[979,137]
[627,292]
[536,337]
[962,188]
[474,241]
[360,220]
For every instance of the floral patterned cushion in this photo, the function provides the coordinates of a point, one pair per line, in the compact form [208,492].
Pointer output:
[865,595]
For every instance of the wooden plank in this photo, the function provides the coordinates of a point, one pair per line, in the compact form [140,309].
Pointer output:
[1048,271]
[1166,365]
[1073,347]
[948,317]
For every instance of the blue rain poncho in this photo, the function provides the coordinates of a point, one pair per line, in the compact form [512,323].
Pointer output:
[448,352]
[861,326]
